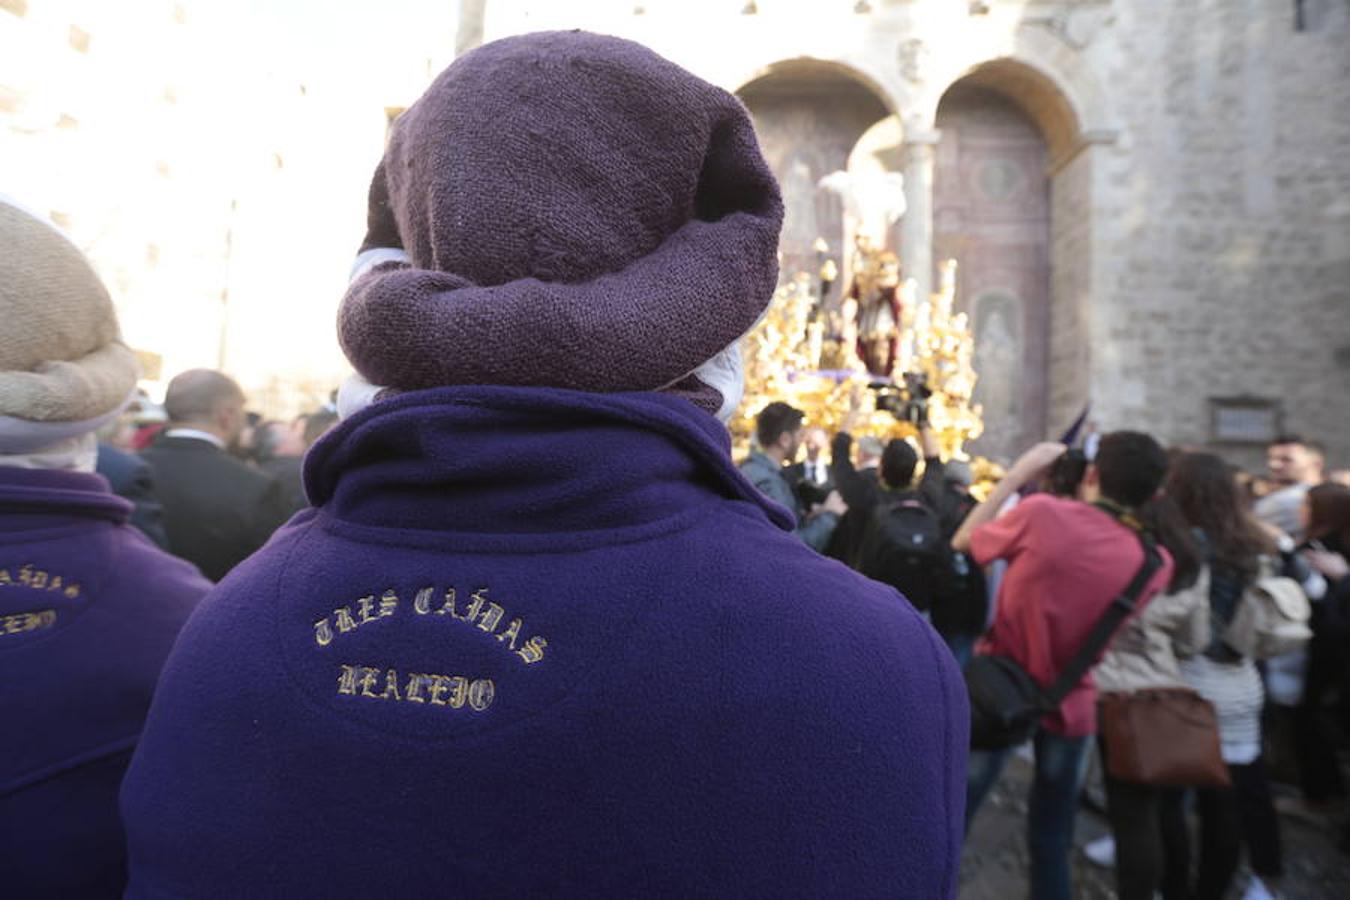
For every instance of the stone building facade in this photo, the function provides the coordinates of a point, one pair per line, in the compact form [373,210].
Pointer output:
[1149,200]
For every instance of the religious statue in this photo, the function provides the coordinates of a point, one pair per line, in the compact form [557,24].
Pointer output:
[876,291]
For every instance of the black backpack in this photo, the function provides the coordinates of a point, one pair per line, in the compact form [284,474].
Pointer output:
[902,546]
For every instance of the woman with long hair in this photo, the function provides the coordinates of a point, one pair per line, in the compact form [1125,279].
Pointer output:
[1148,822]
[1238,550]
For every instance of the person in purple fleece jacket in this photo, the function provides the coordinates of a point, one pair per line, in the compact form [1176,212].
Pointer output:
[88,605]
[538,636]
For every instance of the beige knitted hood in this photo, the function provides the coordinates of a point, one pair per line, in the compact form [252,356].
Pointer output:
[61,355]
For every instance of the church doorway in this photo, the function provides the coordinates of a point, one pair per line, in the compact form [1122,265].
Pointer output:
[809,115]
[992,214]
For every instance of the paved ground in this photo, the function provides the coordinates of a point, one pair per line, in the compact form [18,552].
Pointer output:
[995,863]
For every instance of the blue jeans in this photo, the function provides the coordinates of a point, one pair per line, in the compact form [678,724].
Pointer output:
[1061,763]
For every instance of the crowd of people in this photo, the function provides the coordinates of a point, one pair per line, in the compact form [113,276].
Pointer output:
[1064,527]
[507,619]
[209,480]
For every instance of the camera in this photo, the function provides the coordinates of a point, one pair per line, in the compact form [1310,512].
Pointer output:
[908,400]
[810,494]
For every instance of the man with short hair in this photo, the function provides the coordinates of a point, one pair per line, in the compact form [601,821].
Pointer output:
[217,510]
[1067,561]
[814,469]
[894,471]
[1294,465]
[778,432]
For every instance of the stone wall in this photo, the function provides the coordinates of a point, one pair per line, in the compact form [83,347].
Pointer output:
[1223,230]
[1200,163]
[1071,256]
[1199,155]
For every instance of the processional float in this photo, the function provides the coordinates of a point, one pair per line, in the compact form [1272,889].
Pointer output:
[880,351]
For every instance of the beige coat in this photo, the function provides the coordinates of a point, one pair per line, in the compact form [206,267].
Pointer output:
[1145,651]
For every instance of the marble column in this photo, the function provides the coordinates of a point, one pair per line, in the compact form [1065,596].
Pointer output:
[916,247]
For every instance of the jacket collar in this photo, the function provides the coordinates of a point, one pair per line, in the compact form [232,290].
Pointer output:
[515,461]
[193,434]
[48,492]
[186,442]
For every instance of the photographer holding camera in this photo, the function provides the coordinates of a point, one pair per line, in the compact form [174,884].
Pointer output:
[892,532]
[1068,563]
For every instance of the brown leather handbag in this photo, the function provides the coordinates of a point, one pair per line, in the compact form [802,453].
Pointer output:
[1167,737]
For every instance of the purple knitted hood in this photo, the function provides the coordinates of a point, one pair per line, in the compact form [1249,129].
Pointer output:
[578,212]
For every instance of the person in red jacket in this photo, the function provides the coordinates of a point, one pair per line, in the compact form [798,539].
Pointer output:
[1067,560]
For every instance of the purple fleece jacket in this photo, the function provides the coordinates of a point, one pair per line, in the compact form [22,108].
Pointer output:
[88,611]
[536,642]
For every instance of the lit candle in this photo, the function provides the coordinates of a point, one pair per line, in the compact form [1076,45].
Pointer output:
[815,339]
[906,352]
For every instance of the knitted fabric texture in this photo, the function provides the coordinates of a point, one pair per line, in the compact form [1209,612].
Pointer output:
[578,213]
[62,359]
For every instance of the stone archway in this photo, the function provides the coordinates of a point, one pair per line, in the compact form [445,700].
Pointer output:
[809,115]
[1011,199]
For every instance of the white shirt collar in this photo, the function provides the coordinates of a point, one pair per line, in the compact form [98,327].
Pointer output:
[194,433]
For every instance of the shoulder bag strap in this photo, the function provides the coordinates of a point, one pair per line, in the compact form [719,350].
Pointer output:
[1106,626]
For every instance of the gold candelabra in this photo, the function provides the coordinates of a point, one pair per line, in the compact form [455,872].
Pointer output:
[817,360]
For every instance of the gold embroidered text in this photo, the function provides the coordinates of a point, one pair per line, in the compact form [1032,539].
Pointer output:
[367,610]
[454,691]
[478,612]
[39,580]
[29,621]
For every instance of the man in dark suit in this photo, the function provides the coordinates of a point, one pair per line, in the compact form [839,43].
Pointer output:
[130,478]
[281,453]
[217,510]
[814,471]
